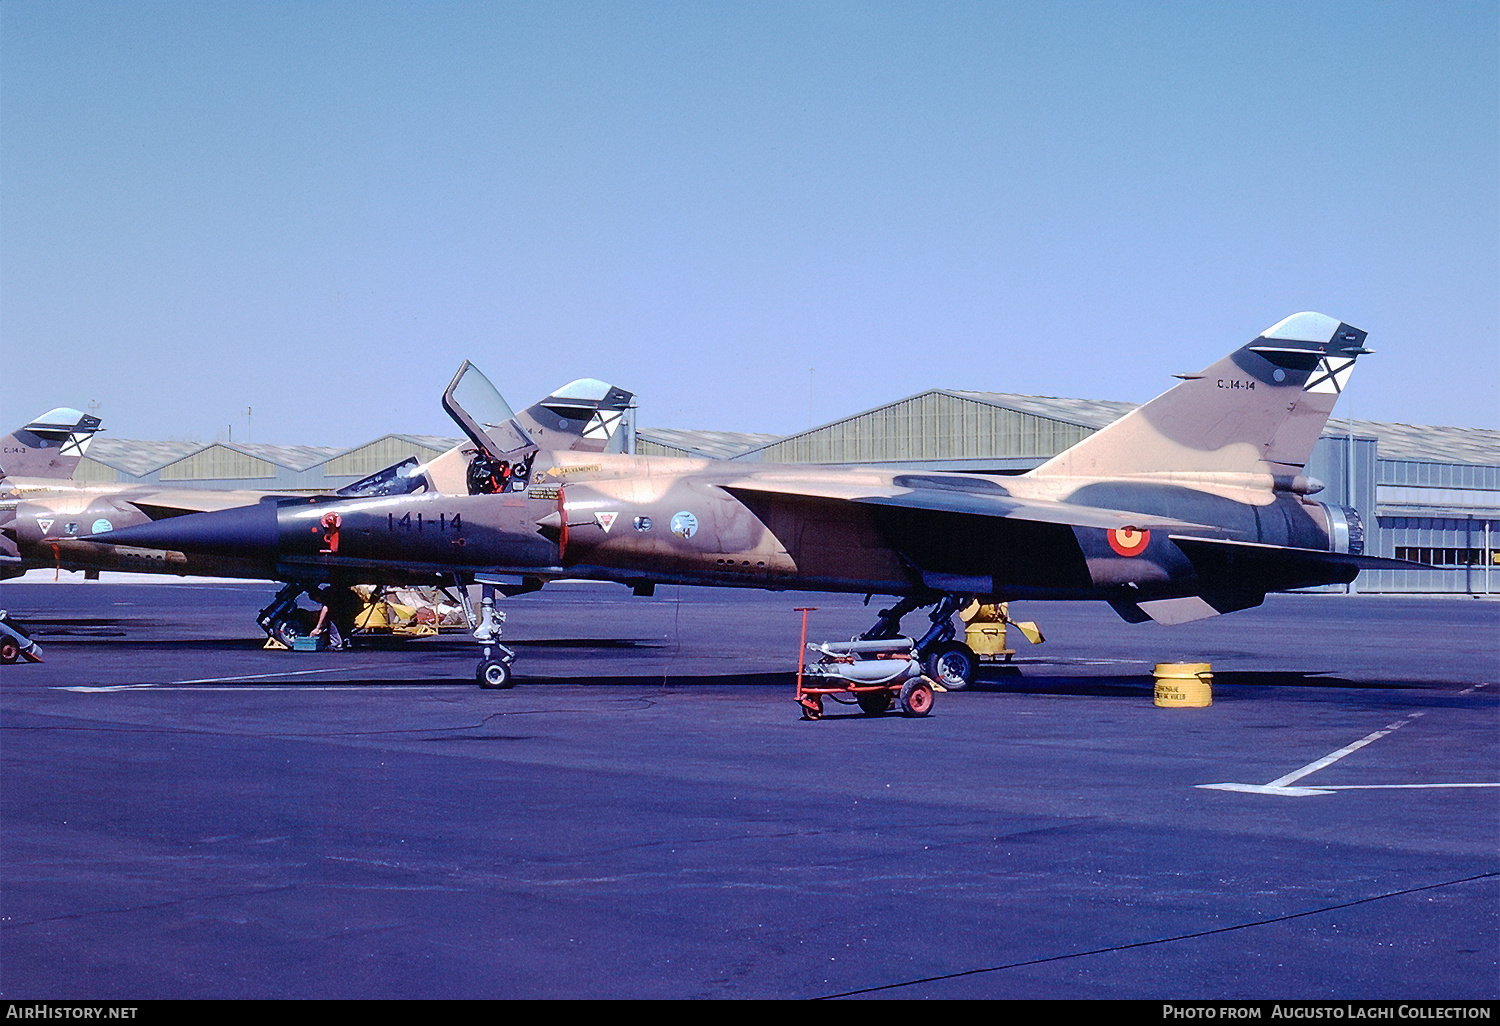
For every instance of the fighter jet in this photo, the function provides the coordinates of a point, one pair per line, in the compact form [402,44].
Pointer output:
[1193,505]
[45,515]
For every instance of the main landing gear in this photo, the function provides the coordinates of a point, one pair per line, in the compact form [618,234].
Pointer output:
[286,623]
[16,643]
[945,660]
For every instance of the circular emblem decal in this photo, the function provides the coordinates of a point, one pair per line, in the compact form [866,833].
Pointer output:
[101,525]
[684,524]
[1128,541]
[643,523]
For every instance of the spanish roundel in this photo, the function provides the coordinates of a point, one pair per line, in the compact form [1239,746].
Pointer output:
[1128,541]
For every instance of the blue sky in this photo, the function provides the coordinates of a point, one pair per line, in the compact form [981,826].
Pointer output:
[317,210]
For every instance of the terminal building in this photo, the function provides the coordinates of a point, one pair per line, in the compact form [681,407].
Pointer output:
[1426,494]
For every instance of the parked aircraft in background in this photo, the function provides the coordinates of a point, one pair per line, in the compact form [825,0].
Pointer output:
[45,516]
[1192,505]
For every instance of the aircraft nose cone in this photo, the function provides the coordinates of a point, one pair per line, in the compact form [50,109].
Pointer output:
[241,531]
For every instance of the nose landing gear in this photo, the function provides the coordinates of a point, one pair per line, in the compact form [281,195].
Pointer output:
[493,670]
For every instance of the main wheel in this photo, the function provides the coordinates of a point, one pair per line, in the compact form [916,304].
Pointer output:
[952,664]
[873,703]
[916,697]
[287,630]
[9,650]
[494,673]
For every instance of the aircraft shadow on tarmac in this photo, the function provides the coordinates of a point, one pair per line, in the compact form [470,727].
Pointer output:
[670,681]
[1133,686]
[1016,682]
[71,634]
[73,627]
[80,633]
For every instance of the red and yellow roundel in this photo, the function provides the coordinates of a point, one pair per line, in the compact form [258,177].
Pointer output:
[1128,541]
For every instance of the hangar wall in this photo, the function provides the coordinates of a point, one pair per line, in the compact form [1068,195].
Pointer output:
[307,469]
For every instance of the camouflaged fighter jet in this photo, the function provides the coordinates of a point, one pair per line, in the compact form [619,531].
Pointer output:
[47,520]
[1192,505]
[44,514]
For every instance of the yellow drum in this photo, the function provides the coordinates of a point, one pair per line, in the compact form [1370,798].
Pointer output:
[1184,685]
[986,639]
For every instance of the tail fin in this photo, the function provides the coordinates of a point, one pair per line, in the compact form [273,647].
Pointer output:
[1258,410]
[586,415]
[49,446]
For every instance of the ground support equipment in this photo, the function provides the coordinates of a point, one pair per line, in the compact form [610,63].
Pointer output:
[16,643]
[986,632]
[407,612]
[875,675]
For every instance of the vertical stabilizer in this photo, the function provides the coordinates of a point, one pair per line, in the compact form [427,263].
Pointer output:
[1258,410]
[49,446]
[586,415]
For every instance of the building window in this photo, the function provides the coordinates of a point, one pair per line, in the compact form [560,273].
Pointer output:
[1433,556]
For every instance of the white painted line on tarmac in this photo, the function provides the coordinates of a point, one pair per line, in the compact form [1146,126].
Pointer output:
[1389,787]
[202,680]
[262,676]
[1285,792]
[1330,759]
[300,688]
[1282,786]
[87,690]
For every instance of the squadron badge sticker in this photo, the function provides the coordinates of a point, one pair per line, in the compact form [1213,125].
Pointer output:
[684,524]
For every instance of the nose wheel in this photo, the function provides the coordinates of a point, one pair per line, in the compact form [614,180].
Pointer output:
[494,668]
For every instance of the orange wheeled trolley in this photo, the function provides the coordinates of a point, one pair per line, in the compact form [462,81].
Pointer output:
[875,675]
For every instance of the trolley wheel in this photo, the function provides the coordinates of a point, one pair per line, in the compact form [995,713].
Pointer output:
[494,673]
[873,703]
[9,650]
[952,664]
[916,697]
[812,707]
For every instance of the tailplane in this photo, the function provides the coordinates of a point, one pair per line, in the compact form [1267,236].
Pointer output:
[49,446]
[1258,410]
